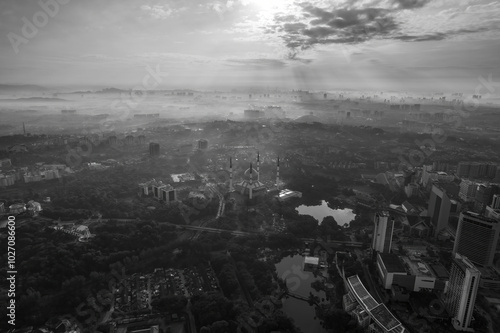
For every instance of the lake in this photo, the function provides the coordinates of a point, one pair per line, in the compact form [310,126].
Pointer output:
[342,216]
[299,282]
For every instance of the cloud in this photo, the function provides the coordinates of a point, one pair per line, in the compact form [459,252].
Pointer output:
[410,4]
[160,12]
[352,22]
[256,63]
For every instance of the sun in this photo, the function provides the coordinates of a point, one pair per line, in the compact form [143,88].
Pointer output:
[269,6]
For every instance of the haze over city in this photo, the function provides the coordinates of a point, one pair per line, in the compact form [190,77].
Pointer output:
[250,166]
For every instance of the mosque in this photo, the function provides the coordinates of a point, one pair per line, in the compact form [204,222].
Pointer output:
[249,186]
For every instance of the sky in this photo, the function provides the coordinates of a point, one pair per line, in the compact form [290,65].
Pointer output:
[375,45]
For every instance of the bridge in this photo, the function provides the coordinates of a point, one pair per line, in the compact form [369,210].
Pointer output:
[346,243]
[296,296]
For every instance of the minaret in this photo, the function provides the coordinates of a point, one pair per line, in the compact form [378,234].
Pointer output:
[251,183]
[278,174]
[258,166]
[230,174]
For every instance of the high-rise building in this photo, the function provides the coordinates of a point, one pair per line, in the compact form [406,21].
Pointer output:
[468,190]
[382,233]
[484,195]
[202,144]
[463,169]
[461,294]
[477,238]
[477,170]
[441,206]
[154,149]
[495,203]
[411,190]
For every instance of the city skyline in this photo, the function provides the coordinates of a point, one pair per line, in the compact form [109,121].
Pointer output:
[364,45]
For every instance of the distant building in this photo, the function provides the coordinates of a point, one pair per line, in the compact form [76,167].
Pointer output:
[160,191]
[492,213]
[468,190]
[484,195]
[417,226]
[17,208]
[441,206]
[168,194]
[411,190]
[495,203]
[477,170]
[287,194]
[5,163]
[311,263]
[382,233]
[182,177]
[7,180]
[463,169]
[477,238]
[154,149]
[34,208]
[461,294]
[428,175]
[202,144]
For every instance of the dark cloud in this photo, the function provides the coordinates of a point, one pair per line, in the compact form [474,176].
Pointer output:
[410,4]
[421,38]
[294,28]
[256,63]
[342,25]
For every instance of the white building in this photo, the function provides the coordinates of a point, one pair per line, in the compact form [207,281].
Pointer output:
[382,233]
[495,203]
[287,194]
[461,295]
[411,190]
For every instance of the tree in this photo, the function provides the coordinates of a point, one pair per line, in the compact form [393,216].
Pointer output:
[170,304]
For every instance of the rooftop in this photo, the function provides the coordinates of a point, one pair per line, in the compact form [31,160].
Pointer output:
[384,317]
[311,260]
[363,296]
[417,267]
[379,312]
[392,263]
[440,271]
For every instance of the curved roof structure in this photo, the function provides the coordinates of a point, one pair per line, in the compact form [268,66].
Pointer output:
[377,311]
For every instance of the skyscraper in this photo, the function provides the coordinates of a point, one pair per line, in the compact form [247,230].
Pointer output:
[382,233]
[477,238]
[154,149]
[202,144]
[462,291]
[495,203]
[468,190]
[441,206]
